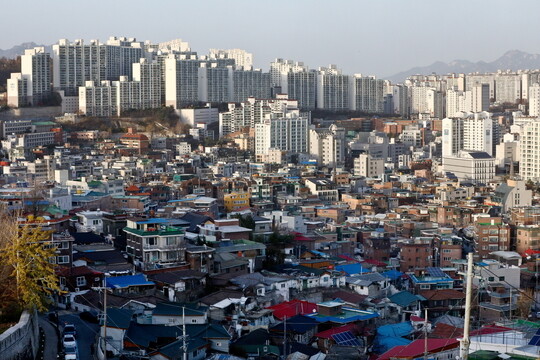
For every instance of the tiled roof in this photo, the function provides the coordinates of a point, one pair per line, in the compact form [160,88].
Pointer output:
[442,294]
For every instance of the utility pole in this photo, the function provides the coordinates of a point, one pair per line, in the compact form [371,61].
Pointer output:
[285,337]
[425,334]
[465,341]
[184,343]
[105,317]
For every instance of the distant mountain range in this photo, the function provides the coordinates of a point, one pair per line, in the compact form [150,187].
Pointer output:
[512,60]
[17,50]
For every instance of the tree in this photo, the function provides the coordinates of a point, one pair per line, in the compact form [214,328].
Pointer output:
[524,303]
[25,252]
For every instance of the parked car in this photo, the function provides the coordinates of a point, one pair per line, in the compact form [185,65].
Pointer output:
[69,329]
[71,353]
[69,341]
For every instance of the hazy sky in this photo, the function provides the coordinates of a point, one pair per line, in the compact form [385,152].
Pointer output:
[375,37]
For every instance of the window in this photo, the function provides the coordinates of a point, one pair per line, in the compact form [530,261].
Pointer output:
[64,259]
[491,278]
[194,321]
[63,281]
[81,281]
[501,278]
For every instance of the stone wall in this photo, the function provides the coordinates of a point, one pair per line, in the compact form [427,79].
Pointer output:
[21,341]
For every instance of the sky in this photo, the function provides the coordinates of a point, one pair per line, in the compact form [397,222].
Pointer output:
[370,37]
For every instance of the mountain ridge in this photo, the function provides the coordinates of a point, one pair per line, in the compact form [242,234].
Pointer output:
[17,50]
[512,59]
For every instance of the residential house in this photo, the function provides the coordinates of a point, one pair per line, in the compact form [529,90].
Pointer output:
[153,243]
[444,301]
[172,313]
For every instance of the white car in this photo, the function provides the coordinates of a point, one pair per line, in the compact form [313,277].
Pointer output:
[71,353]
[69,341]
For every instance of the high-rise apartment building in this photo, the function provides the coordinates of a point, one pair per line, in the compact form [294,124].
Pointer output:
[252,112]
[367,94]
[480,97]
[534,100]
[98,99]
[250,83]
[75,63]
[288,133]
[296,80]
[32,86]
[181,80]
[148,74]
[332,89]
[36,66]
[327,145]
[241,57]
[114,98]
[17,90]
[529,151]
[426,100]
[215,82]
[467,131]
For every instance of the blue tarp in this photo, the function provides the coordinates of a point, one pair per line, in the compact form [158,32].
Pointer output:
[384,343]
[351,269]
[395,330]
[392,274]
[119,282]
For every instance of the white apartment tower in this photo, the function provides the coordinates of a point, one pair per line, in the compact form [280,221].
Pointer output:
[74,63]
[480,97]
[332,89]
[367,94]
[36,67]
[288,133]
[241,57]
[467,131]
[296,80]
[327,145]
[215,82]
[98,99]
[252,112]
[148,74]
[250,83]
[17,90]
[181,80]
[529,151]
[452,135]
[534,100]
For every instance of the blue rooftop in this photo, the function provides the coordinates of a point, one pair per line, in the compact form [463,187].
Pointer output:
[351,269]
[121,282]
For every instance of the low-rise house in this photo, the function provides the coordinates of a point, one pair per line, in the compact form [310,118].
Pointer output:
[334,313]
[130,284]
[179,285]
[298,328]
[116,325]
[257,343]
[444,301]
[405,303]
[154,243]
[171,313]
[370,284]
[289,309]
[429,282]
[437,349]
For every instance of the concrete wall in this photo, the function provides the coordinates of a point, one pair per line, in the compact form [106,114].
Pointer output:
[21,342]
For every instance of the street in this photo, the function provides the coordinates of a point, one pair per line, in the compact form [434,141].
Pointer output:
[86,334]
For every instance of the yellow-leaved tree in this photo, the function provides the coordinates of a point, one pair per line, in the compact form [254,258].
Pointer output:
[27,274]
